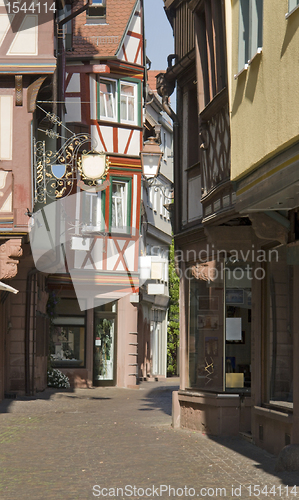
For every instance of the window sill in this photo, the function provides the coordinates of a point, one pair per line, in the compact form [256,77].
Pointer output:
[273,413]
[258,52]
[241,72]
[288,14]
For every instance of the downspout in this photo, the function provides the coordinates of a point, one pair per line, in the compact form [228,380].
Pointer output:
[30,275]
[165,89]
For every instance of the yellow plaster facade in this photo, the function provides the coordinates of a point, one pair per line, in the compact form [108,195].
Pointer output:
[264,99]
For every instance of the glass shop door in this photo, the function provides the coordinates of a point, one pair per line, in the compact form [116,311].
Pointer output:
[104,349]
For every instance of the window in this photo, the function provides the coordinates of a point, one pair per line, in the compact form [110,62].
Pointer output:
[238,279]
[214,336]
[250,30]
[120,220]
[97,8]
[293,4]
[107,99]
[117,101]
[67,344]
[280,331]
[93,216]
[127,102]
[164,147]
[68,34]
[205,335]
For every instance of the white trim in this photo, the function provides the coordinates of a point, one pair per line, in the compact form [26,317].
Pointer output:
[134,85]
[115,99]
[288,14]
[259,51]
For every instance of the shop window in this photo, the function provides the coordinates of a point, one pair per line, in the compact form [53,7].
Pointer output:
[120,205]
[67,343]
[250,30]
[107,99]
[238,281]
[212,339]
[279,344]
[206,335]
[93,215]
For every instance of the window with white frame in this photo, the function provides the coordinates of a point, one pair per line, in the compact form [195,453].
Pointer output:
[128,102]
[293,4]
[93,216]
[155,203]
[119,206]
[161,197]
[164,147]
[107,99]
[250,30]
[151,197]
[117,101]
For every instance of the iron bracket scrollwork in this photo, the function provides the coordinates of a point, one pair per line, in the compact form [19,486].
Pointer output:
[55,173]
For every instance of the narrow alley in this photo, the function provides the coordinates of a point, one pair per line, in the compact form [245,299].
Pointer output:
[119,443]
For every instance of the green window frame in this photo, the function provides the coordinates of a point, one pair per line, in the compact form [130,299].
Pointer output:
[120,205]
[124,97]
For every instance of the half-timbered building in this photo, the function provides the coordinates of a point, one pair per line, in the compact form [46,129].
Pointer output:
[156,239]
[71,84]
[101,62]
[26,61]
[215,316]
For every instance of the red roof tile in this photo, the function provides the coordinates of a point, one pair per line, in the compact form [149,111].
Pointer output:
[151,78]
[101,39]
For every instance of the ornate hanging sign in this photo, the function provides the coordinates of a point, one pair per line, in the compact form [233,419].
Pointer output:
[93,166]
[55,173]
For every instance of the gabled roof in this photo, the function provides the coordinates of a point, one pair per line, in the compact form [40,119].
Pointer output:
[101,39]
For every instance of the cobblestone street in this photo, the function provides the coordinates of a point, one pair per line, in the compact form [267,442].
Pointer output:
[87,443]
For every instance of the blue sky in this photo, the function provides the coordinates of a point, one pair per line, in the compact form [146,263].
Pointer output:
[158,34]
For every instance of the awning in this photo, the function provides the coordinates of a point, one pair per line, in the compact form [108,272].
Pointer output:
[7,288]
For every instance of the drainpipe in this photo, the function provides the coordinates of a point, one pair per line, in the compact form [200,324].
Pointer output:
[28,389]
[165,89]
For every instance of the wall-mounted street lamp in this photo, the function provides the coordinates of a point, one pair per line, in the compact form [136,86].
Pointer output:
[151,156]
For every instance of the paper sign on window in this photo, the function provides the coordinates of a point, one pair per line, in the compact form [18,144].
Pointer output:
[233,329]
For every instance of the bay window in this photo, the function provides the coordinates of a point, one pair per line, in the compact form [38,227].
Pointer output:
[128,102]
[118,101]
[107,100]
